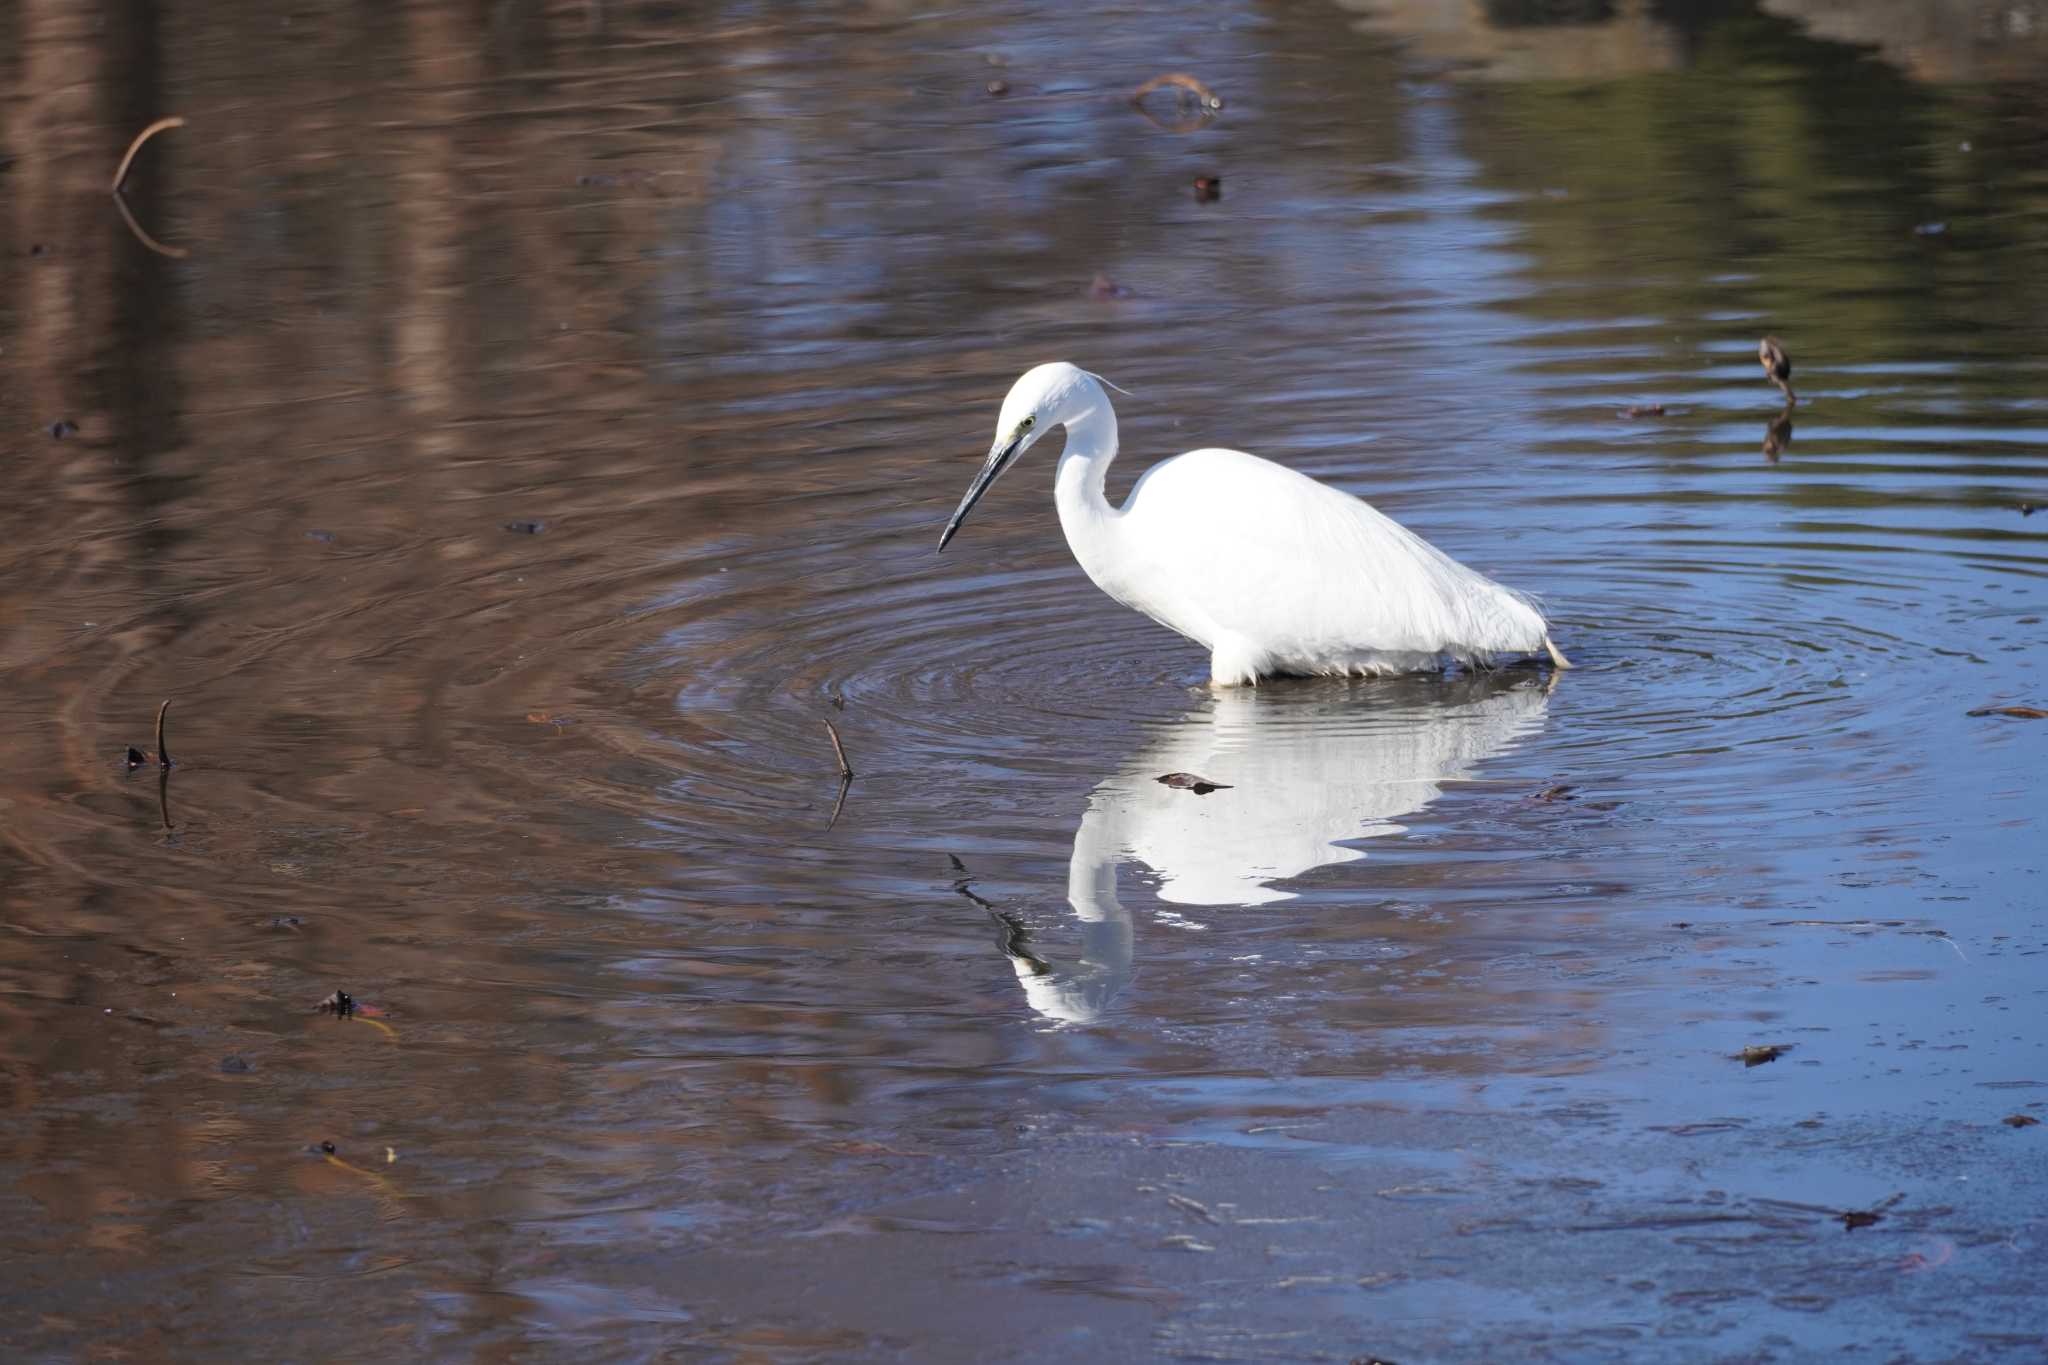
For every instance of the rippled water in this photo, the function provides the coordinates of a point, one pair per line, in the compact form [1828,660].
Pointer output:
[549,431]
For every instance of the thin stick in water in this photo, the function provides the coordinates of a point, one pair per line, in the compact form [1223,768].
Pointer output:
[121,174]
[845,768]
[839,803]
[163,755]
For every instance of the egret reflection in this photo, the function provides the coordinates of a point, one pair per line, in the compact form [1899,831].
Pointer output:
[1313,768]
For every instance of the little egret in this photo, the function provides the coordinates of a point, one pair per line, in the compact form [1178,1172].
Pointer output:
[1272,572]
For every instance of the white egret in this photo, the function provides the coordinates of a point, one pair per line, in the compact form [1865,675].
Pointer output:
[1273,572]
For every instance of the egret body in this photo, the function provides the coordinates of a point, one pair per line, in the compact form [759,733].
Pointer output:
[1272,572]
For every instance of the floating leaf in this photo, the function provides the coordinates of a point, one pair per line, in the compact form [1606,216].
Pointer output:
[2019,712]
[1758,1054]
[1200,786]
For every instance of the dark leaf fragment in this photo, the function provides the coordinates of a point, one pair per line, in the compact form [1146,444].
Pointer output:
[1200,786]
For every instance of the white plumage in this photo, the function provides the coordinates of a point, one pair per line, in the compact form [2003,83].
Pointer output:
[1271,571]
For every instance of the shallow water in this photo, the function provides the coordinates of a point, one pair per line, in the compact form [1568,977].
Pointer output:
[548,432]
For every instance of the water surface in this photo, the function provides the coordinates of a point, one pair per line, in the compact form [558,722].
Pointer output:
[548,431]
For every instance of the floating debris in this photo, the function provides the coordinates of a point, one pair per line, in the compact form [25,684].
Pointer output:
[526,528]
[1930,229]
[121,179]
[1195,104]
[1759,1054]
[1853,1219]
[1778,435]
[1180,80]
[2027,509]
[2019,1121]
[845,776]
[234,1065]
[163,755]
[2016,712]
[1561,792]
[997,88]
[61,428]
[1770,353]
[839,750]
[1200,786]
[1103,287]
[1208,188]
[342,1005]
[324,537]
[1643,410]
[136,758]
[327,1148]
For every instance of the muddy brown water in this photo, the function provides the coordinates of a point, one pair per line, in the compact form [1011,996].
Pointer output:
[549,429]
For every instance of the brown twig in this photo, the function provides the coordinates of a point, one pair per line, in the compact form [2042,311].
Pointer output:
[1207,101]
[839,802]
[845,768]
[121,175]
[163,755]
[121,178]
[1182,80]
[176,253]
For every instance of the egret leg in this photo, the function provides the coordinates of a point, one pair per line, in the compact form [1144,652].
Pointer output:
[1557,658]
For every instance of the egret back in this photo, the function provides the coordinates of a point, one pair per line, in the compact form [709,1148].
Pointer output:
[1294,576]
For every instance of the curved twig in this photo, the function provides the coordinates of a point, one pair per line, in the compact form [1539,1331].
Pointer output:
[121,178]
[163,755]
[176,253]
[1207,101]
[121,175]
[845,768]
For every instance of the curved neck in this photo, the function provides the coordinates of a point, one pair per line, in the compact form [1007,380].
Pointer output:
[1083,470]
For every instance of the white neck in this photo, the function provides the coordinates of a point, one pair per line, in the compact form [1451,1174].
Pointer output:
[1085,512]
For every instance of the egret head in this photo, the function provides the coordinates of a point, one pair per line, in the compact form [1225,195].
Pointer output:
[1046,396]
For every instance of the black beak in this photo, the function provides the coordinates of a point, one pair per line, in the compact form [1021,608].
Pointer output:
[1000,457]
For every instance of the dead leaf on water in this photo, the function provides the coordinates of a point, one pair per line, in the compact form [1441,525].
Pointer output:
[2017,712]
[1200,786]
[1758,1054]
[2019,1120]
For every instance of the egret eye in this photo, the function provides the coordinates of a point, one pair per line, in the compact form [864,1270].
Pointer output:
[1025,425]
